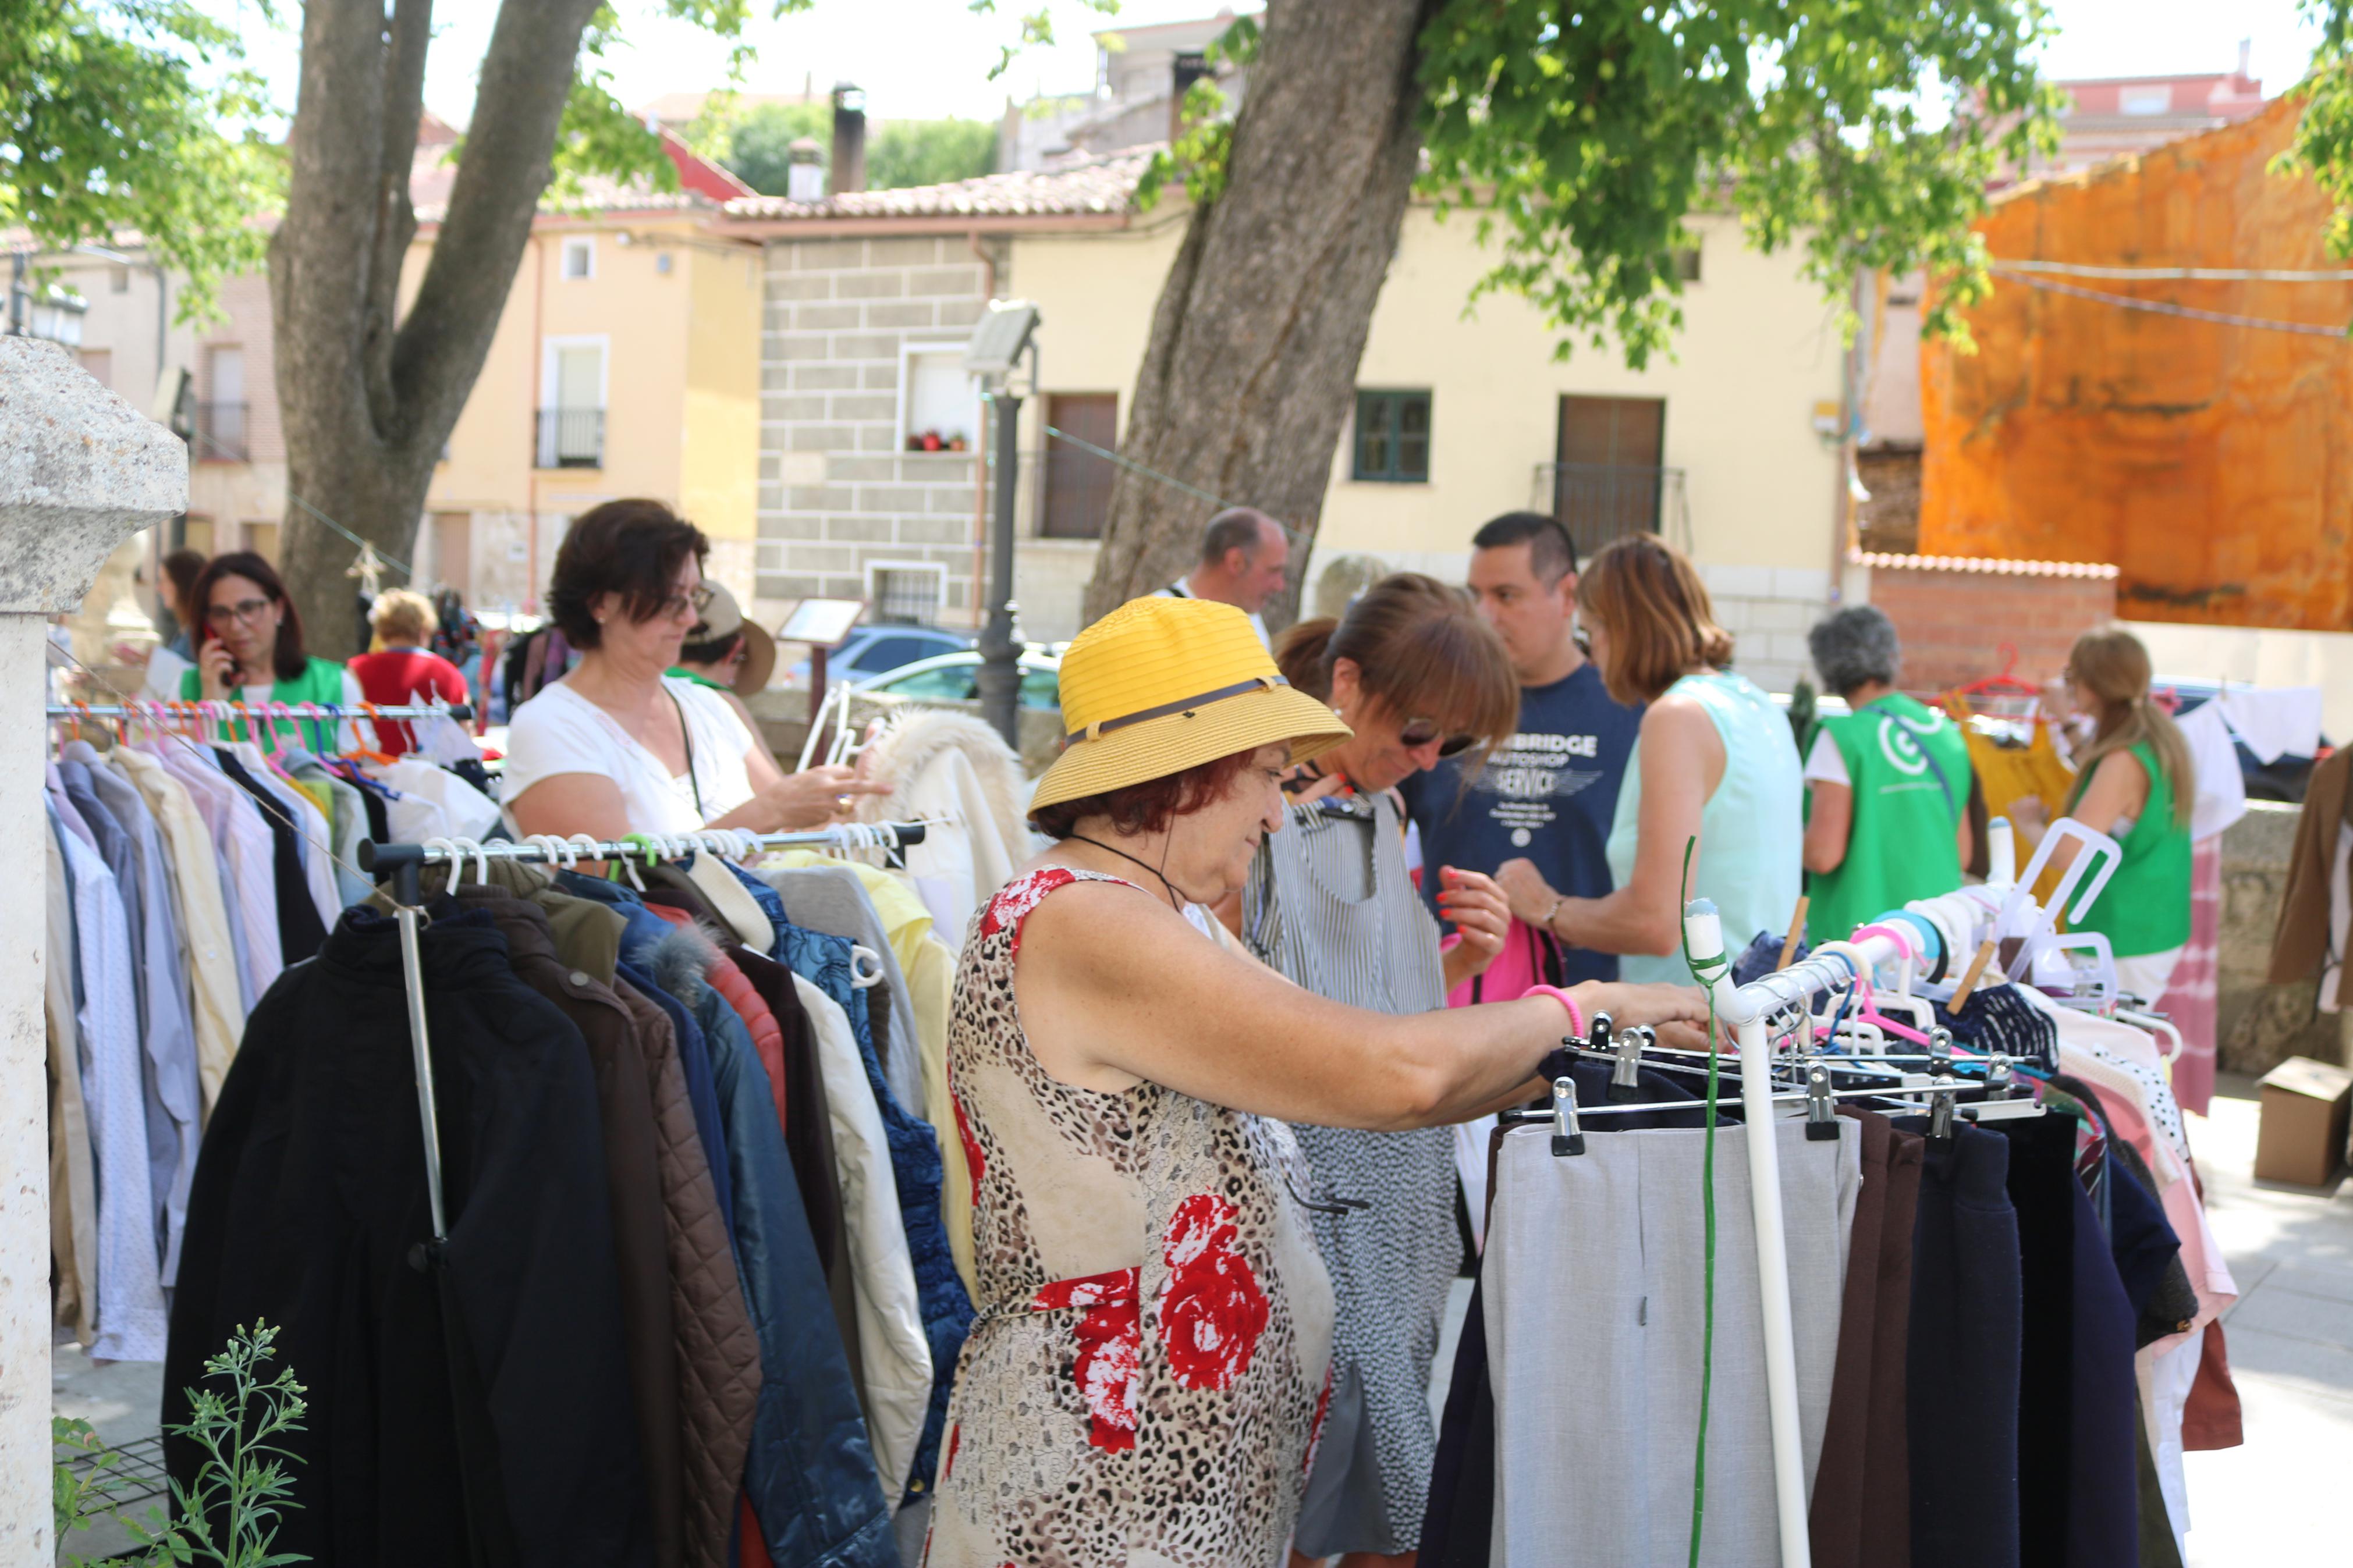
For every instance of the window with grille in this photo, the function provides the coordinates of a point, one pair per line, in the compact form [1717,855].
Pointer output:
[905,592]
[1393,436]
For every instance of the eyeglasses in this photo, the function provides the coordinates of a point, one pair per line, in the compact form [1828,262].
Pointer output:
[243,610]
[678,605]
[1419,732]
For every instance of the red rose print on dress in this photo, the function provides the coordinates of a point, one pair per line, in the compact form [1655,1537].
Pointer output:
[1111,1334]
[1012,906]
[1211,1309]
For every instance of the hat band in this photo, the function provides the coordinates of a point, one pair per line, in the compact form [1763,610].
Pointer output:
[1255,683]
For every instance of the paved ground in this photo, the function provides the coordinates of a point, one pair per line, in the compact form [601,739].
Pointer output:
[2279,1498]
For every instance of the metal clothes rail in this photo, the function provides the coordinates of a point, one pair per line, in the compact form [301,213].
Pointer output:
[221,710]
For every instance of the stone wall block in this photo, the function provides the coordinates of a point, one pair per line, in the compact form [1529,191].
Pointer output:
[870,285]
[944,280]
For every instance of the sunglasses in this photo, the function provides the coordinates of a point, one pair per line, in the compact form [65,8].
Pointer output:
[677,606]
[1419,732]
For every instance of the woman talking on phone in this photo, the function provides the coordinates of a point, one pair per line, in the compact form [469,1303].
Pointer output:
[249,649]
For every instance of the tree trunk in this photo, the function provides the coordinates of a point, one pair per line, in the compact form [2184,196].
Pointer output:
[367,397]
[1252,368]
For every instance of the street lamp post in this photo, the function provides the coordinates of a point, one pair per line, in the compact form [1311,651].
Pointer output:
[997,345]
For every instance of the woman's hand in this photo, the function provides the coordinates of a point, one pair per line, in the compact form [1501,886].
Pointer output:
[1661,1006]
[812,798]
[1477,910]
[1531,898]
[2030,817]
[219,668]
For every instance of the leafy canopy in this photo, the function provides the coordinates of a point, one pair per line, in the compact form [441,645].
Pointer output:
[1584,132]
[109,122]
[754,144]
[2323,146]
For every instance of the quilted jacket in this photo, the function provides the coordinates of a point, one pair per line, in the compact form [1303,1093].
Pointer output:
[718,1350]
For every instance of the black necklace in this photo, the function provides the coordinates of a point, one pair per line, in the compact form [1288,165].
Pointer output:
[1176,902]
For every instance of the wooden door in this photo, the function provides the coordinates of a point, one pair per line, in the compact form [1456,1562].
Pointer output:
[1606,474]
[1078,482]
[453,563]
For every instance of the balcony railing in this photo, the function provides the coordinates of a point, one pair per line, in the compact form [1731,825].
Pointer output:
[571,439]
[1598,502]
[220,432]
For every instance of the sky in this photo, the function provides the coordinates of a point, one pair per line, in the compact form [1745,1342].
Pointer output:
[946,73]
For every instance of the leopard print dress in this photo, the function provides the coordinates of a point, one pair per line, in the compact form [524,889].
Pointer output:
[1142,1382]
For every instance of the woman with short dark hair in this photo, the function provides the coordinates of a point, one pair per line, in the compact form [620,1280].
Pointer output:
[249,649]
[1416,675]
[1714,762]
[619,746]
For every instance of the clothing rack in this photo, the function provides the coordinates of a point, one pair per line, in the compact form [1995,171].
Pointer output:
[222,711]
[406,862]
[1747,1008]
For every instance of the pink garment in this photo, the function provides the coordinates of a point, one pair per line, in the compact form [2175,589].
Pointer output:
[2189,1000]
[1518,967]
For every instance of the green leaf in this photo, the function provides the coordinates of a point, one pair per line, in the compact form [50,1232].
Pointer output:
[107,125]
[1801,118]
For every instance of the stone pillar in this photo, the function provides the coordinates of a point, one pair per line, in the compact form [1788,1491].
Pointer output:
[81,470]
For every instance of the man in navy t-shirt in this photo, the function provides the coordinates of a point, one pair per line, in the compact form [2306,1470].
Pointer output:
[1547,794]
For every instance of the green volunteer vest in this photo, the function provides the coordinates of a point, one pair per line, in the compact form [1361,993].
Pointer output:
[2145,907]
[1909,766]
[322,680]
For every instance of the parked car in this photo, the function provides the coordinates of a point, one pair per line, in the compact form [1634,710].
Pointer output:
[955,678]
[870,651]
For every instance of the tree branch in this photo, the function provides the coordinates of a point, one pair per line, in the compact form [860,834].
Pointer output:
[525,79]
[411,34]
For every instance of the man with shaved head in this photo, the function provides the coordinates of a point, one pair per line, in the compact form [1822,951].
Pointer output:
[1244,554]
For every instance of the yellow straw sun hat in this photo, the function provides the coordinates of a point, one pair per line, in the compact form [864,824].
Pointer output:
[1161,684]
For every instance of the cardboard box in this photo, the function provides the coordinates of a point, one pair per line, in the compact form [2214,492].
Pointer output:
[2305,1106]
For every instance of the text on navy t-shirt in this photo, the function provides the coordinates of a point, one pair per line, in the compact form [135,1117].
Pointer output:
[1548,793]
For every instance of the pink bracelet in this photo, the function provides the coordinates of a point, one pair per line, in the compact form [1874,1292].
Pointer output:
[1576,1016]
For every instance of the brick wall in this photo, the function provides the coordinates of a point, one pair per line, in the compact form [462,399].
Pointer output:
[1953,614]
[836,491]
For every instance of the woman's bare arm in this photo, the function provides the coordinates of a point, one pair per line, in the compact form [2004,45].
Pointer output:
[1829,823]
[1115,988]
[1683,761]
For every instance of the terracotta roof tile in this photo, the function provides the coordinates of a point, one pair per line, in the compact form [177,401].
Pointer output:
[1089,188]
[1880,561]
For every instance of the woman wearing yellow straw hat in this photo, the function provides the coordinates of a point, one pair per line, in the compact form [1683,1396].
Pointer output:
[1147,1364]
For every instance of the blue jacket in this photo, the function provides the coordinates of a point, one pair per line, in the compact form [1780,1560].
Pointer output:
[824,962]
[810,1475]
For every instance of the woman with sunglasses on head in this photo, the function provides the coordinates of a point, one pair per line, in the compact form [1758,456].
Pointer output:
[1714,761]
[249,649]
[1415,675]
[619,746]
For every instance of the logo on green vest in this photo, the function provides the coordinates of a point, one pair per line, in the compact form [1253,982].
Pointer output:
[1899,740]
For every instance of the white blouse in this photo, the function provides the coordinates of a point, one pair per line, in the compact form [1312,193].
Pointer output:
[561,732]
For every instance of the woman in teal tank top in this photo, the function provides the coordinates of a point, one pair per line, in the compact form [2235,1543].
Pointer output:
[1714,760]
[2135,782]
[250,650]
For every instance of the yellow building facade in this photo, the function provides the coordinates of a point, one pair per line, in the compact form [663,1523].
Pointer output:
[627,364]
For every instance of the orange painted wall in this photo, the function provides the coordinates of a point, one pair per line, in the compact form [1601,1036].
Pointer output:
[2212,464]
